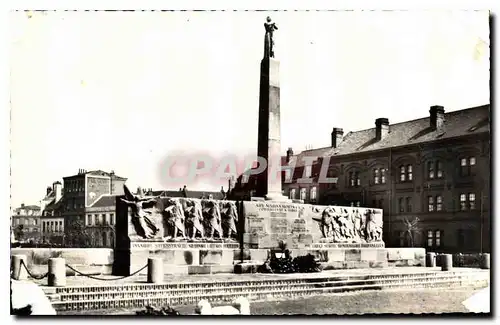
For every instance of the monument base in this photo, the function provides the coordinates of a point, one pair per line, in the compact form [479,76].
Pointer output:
[184,257]
[341,258]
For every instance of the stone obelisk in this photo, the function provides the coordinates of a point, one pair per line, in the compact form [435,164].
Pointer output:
[269,137]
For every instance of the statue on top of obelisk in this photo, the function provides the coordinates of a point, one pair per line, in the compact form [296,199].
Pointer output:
[270,27]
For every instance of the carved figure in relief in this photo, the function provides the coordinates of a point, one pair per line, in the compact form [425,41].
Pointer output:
[373,226]
[357,221]
[326,223]
[194,218]
[229,215]
[175,218]
[212,218]
[345,224]
[142,210]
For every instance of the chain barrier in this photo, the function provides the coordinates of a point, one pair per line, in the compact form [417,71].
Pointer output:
[30,274]
[78,272]
[101,279]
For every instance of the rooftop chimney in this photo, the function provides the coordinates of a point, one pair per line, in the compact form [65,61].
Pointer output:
[289,154]
[382,128]
[57,187]
[437,117]
[337,135]
[49,189]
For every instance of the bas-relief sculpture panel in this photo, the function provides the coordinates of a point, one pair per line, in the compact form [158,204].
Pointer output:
[267,223]
[180,219]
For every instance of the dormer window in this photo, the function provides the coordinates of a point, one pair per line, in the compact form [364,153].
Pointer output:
[308,170]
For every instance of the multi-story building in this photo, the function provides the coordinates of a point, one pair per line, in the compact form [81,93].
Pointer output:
[100,221]
[52,220]
[25,223]
[81,192]
[436,169]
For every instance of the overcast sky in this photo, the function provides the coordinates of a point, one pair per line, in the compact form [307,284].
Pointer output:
[123,90]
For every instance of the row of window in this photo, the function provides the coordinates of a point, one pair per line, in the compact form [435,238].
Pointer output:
[74,186]
[100,219]
[303,193]
[52,226]
[73,205]
[466,239]
[434,170]
[22,212]
[27,222]
[467,202]
[433,238]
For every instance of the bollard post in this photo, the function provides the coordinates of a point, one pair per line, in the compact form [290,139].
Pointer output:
[155,270]
[57,272]
[485,261]
[18,271]
[446,262]
[430,260]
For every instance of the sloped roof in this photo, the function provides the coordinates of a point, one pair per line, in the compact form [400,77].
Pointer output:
[190,194]
[49,196]
[29,207]
[53,205]
[99,172]
[458,123]
[105,201]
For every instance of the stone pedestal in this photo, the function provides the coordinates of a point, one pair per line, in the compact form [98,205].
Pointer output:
[430,260]
[155,270]
[446,262]
[57,272]
[19,271]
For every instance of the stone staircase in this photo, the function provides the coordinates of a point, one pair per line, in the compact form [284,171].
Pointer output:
[137,295]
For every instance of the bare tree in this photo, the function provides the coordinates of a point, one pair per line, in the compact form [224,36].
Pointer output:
[412,227]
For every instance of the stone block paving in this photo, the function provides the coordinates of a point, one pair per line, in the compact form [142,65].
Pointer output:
[222,277]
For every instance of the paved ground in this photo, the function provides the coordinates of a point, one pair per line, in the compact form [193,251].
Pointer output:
[378,302]
[110,280]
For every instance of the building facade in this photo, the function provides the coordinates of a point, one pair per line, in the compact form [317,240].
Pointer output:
[435,170]
[100,220]
[25,223]
[81,192]
[52,220]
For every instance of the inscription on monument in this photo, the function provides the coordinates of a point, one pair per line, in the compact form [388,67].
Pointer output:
[299,226]
[305,224]
[156,246]
[276,207]
[256,225]
[279,226]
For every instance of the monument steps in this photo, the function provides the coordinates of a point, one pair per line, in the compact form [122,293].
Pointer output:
[244,288]
[139,295]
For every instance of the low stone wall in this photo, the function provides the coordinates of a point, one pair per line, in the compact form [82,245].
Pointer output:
[86,260]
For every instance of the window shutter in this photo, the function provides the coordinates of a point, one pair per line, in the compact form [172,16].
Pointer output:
[442,239]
